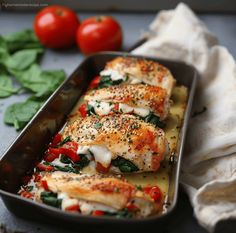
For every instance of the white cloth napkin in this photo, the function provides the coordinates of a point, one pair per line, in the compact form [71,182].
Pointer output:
[209,163]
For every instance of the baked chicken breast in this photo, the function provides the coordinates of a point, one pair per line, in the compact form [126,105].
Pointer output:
[91,193]
[138,99]
[119,143]
[137,70]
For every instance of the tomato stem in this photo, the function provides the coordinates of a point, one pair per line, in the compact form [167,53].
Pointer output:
[59,12]
[99,18]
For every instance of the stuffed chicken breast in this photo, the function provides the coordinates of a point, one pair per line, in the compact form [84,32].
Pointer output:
[119,143]
[136,70]
[142,100]
[89,194]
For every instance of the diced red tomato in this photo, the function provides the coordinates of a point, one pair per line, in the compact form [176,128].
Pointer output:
[73,208]
[98,213]
[116,107]
[71,154]
[71,145]
[95,82]
[37,177]
[51,154]
[83,110]
[27,194]
[70,149]
[44,185]
[56,140]
[154,192]
[100,168]
[132,207]
[44,167]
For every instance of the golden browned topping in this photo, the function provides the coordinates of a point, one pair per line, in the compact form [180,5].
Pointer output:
[136,95]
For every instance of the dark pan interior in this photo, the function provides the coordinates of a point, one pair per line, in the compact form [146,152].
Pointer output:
[28,148]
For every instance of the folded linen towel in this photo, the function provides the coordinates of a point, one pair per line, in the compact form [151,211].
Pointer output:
[209,163]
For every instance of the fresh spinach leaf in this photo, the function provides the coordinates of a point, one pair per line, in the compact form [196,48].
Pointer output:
[124,165]
[22,59]
[25,39]
[6,87]
[19,114]
[42,83]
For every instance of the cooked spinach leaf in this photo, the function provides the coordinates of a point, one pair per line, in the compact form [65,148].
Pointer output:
[106,81]
[120,214]
[65,140]
[124,165]
[65,159]
[153,119]
[51,199]
[84,162]
[90,110]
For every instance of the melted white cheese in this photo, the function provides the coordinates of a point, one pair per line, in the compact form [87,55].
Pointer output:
[115,75]
[104,108]
[135,81]
[57,162]
[67,201]
[125,108]
[101,153]
[141,111]
[88,207]
[101,108]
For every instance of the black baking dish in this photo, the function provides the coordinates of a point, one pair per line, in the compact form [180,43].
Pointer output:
[29,146]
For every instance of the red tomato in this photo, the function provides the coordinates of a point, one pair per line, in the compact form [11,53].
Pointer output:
[83,110]
[71,145]
[37,177]
[27,194]
[154,192]
[51,154]
[46,168]
[95,82]
[98,213]
[45,185]
[69,149]
[116,107]
[132,207]
[73,208]
[101,33]
[100,168]
[56,140]
[56,26]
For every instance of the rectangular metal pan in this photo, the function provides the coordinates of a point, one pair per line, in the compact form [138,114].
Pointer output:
[21,157]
